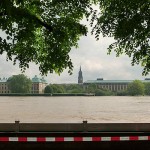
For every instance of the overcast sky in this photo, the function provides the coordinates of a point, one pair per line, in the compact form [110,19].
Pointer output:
[94,61]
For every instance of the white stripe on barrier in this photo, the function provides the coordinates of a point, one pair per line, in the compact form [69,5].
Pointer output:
[31,139]
[68,139]
[143,138]
[105,138]
[87,138]
[124,138]
[15,139]
[50,139]
[74,139]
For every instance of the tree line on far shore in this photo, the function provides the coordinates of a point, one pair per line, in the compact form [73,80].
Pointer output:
[22,84]
[135,88]
[76,89]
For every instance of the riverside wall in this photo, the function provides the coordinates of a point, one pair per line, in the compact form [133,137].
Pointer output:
[73,136]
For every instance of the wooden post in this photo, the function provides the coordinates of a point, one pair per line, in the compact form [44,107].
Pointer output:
[85,125]
[17,125]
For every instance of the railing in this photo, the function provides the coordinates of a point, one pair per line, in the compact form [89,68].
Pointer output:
[74,127]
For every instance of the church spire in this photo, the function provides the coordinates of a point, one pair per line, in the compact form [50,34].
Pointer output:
[80,77]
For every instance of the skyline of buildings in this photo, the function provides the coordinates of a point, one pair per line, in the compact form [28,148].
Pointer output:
[39,84]
[112,85]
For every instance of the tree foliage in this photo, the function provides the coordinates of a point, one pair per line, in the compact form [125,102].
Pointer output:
[91,88]
[103,92]
[147,88]
[19,84]
[136,88]
[44,32]
[54,88]
[77,88]
[128,21]
[48,89]
[74,88]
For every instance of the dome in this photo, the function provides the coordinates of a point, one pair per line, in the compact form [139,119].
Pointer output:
[36,79]
[43,80]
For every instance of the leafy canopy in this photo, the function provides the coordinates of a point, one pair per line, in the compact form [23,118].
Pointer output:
[147,88]
[54,88]
[136,88]
[44,31]
[19,84]
[128,21]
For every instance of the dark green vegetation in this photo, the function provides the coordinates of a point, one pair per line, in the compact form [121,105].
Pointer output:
[75,89]
[128,21]
[19,84]
[147,88]
[64,88]
[54,89]
[136,88]
[44,31]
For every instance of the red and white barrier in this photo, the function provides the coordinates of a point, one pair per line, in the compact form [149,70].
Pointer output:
[74,139]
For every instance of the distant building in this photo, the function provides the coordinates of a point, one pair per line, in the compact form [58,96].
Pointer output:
[112,85]
[38,85]
[80,77]
[4,85]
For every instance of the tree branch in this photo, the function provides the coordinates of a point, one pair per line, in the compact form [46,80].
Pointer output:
[18,12]
[48,27]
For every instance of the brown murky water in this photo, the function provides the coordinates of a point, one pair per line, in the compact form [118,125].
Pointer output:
[75,109]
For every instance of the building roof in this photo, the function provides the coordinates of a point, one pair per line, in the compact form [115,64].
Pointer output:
[111,81]
[38,80]
[43,80]
[3,79]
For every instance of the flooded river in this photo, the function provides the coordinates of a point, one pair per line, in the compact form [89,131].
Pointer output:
[75,109]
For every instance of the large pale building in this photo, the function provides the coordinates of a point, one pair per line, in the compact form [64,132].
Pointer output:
[38,85]
[112,85]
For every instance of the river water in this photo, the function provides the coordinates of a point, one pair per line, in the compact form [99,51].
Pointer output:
[75,109]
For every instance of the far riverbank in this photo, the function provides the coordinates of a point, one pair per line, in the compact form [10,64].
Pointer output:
[48,94]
